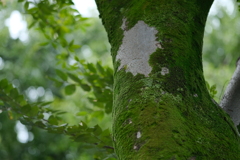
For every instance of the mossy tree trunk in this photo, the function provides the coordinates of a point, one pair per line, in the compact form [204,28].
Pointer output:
[162,109]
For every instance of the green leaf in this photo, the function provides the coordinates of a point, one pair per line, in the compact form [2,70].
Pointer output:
[14,93]
[108,107]
[32,24]
[53,120]
[57,82]
[26,5]
[61,74]
[82,113]
[74,78]
[91,67]
[40,124]
[10,114]
[25,109]
[100,68]
[85,87]
[86,138]
[25,120]
[41,104]
[74,129]
[34,111]
[97,130]
[40,116]
[44,43]
[75,46]
[70,89]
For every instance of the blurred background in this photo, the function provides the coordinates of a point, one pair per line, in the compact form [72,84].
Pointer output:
[28,64]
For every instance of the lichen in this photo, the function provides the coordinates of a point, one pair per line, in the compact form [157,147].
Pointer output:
[137,45]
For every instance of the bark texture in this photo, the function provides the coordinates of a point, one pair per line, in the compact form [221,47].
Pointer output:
[231,99]
[163,110]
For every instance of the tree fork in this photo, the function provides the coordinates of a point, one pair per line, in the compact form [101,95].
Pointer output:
[162,109]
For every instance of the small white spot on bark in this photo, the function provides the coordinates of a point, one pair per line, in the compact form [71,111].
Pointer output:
[195,95]
[139,134]
[164,71]
[159,45]
[138,44]
[130,121]
[124,24]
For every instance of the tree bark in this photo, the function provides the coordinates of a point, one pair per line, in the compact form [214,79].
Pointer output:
[231,99]
[162,109]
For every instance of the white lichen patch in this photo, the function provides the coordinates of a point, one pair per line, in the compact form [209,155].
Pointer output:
[164,71]
[138,44]
[159,45]
[130,121]
[135,147]
[195,95]
[139,134]
[124,25]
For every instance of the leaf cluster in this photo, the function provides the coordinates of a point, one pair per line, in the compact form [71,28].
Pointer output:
[38,114]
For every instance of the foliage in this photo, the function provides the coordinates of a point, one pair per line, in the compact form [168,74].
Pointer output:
[94,79]
[221,50]
[211,89]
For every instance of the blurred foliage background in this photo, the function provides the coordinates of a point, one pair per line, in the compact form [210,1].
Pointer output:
[43,71]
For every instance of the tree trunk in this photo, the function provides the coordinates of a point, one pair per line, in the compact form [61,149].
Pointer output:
[162,109]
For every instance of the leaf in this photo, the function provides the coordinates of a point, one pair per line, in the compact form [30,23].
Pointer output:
[25,120]
[70,89]
[40,116]
[14,93]
[74,129]
[26,5]
[91,67]
[74,78]
[32,24]
[100,68]
[34,111]
[41,104]
[108,107]
[82,113]
[53,120]
[57,82]
[44,43]
[85,87]
[10,114]
[86,138]
[97,130]
[25,109]
[40,124]
[61,74]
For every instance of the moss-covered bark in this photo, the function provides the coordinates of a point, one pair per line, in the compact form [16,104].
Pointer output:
[166,115]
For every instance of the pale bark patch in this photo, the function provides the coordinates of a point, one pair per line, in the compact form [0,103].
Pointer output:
[138,44]
[139,134]
[164,71]
[195,95]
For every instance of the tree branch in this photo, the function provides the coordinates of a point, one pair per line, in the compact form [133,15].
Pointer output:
[231,99]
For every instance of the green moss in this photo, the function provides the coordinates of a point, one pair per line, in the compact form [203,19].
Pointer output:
[174,112]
